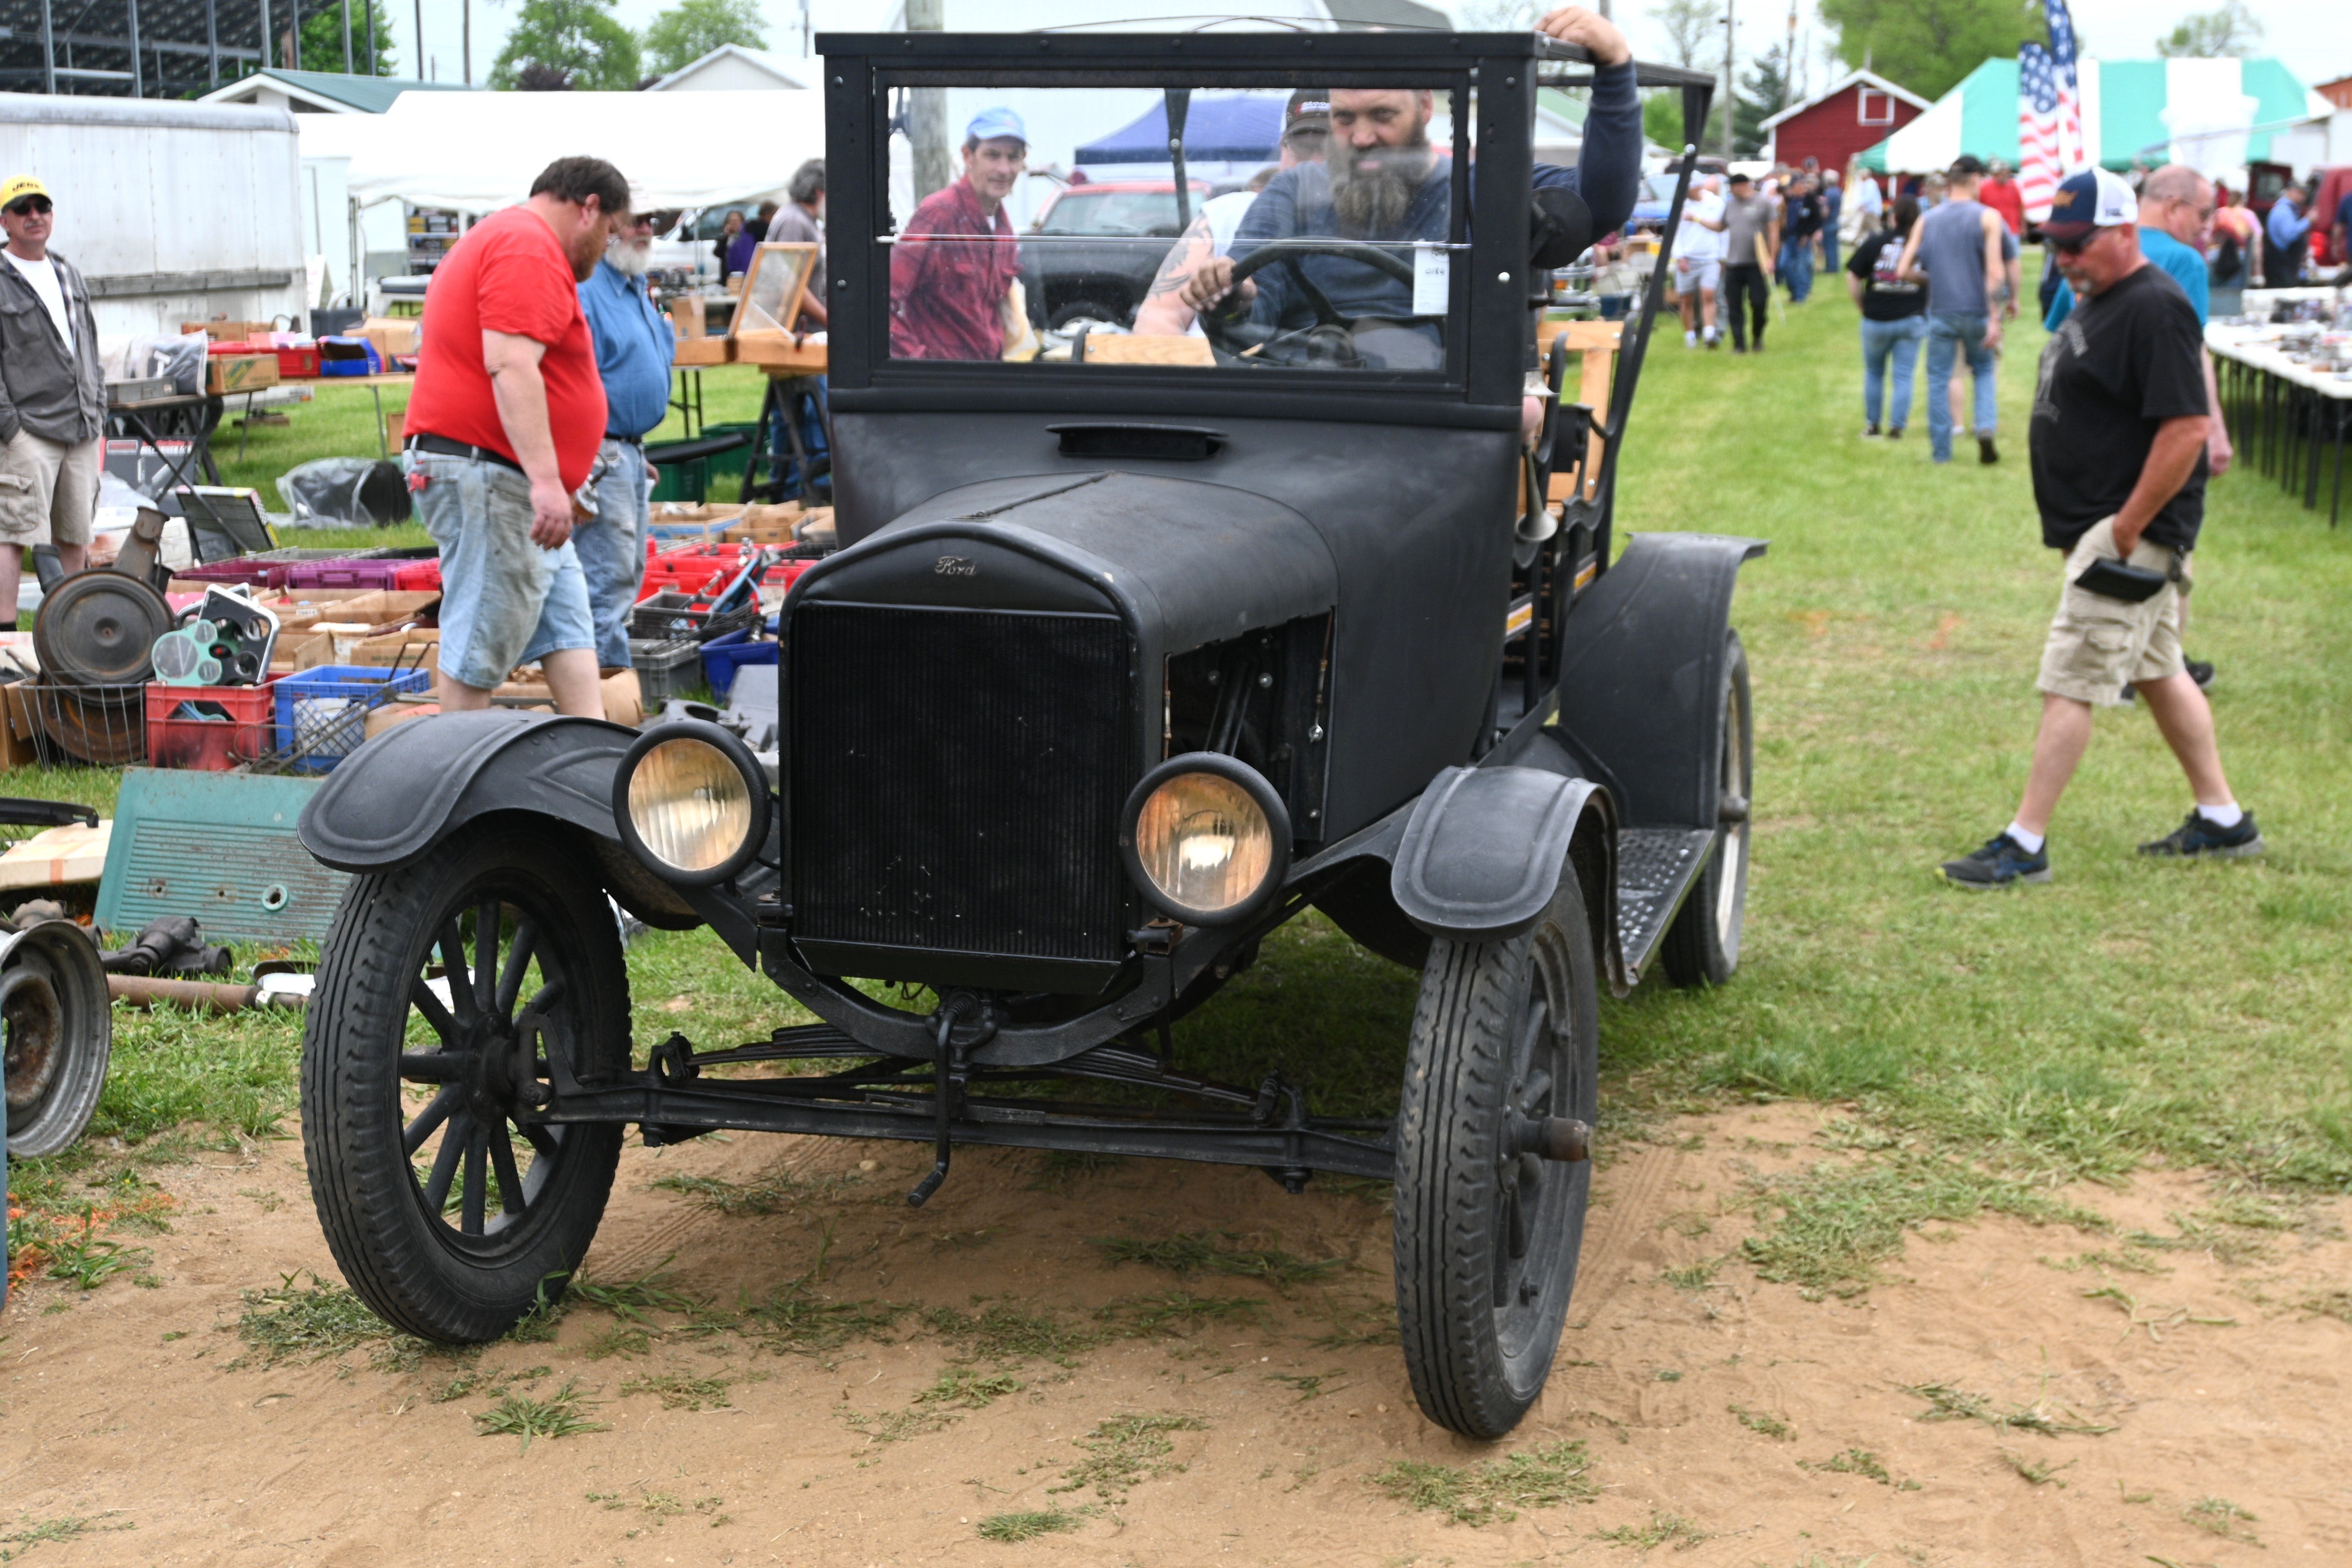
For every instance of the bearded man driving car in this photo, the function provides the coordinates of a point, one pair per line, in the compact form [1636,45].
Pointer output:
[1383,184]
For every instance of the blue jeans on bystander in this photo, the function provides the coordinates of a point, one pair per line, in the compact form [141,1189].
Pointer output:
[1882,340]
[1796,261]
[611,548]
[1948,337]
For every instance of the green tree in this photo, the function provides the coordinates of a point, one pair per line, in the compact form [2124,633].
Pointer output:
[1694,30]
[1763,92]
[322,40]
[1928,46]
[2229,30]
[692,29]
[1661,120]
[580,39]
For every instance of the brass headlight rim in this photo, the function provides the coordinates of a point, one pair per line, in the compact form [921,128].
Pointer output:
[755,779]
[1262,793]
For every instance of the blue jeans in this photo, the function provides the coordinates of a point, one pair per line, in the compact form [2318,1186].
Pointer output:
[504,600]
[1797,268]
[612,549]
[1947,337]
[1880,342]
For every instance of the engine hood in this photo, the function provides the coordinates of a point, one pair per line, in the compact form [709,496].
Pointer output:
[1181,560]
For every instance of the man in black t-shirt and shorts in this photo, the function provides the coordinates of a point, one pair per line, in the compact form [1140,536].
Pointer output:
[2118,449]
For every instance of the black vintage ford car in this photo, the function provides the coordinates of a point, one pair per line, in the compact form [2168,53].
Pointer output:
[1133,650]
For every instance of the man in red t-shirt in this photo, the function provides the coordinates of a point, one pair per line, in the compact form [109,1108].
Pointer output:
[503,430]
[1999,193]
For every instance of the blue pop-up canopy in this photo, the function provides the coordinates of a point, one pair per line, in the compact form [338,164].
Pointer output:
[1238,129]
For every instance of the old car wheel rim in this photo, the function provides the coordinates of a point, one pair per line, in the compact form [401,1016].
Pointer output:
[488,1021]
[1532,1191]
[1733,852]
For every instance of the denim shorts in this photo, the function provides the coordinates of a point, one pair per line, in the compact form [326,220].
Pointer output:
[505,601]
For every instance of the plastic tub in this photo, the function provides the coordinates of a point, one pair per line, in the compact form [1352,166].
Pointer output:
[722,657]
[665,667]
[365,574]
[417,576]
[230,724]
[319,710]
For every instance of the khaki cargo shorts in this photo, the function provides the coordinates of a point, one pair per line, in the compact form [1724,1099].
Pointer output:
[49,490]
[2097,645]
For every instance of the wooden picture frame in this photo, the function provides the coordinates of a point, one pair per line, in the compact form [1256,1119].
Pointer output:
[773,287]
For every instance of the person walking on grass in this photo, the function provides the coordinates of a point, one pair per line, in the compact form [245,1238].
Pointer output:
[2117,446]
[1956,251]
[1750,226]
[1893,320]
[1699,263]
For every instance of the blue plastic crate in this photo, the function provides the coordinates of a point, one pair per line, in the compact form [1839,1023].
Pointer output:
[722,657]
[367,684]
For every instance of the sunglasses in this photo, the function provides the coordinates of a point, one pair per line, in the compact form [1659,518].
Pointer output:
[30,205]
[2074,247]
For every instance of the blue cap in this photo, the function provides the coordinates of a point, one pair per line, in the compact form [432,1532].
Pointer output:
[990,124]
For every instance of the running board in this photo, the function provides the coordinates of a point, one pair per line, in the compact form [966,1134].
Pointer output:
[1655,869]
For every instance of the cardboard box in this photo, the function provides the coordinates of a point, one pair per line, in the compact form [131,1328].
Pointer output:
[696,512]
[17,729]
[416,648]
[624,701]
[395,428]
[227,374]
[225,331]
[300,650]
[381,718]
[368,607]
[391,335]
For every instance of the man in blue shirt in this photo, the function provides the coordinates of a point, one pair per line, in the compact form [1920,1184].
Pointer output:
[2286,239]
[1384,184]
[634,347]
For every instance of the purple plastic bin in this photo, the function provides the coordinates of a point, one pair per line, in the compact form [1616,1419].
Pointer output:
[364,574]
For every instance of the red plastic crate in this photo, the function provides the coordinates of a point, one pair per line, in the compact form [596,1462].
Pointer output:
[239,725]
[685,575]
[419,577]
[297,361]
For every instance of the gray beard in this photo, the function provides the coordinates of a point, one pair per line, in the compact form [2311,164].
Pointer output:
[1374,203]
[629,258]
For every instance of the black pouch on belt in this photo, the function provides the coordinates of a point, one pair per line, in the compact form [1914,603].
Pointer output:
[2121,580]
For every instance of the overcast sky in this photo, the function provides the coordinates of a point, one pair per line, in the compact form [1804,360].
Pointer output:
[2313,36]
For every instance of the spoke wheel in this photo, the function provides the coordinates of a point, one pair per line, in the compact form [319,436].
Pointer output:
[1487,1237]
[447,989]
[1702,947]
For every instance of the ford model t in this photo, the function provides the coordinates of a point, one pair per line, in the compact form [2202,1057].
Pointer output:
[1134,648]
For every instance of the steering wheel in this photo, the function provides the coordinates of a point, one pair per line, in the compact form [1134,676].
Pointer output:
[1227,326]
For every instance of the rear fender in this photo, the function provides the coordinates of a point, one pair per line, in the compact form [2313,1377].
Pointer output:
[415,785]
[1641,670]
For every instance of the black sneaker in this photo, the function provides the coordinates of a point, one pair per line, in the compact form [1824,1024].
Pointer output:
[1895,434]
[1985,452]
[1869,432]
[2201,670]
[2000,862]
[2199,836]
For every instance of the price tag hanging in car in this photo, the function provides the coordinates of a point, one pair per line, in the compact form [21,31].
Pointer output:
[1429,279]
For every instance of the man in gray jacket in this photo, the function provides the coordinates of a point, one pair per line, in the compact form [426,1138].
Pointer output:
[52,395]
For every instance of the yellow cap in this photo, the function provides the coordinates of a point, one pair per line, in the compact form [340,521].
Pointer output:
[18,187]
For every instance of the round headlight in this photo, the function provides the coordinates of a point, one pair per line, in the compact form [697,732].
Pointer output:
[692,802]
[1206,838]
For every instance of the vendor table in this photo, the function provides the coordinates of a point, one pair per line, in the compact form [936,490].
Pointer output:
[795,372]
[2289,420]
[155,420]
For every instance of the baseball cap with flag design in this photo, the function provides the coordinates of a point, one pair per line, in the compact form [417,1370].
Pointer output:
[2091,199]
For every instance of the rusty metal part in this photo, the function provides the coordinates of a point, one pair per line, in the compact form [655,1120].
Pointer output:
[144,992]
[1562,1138]
[35,1049]
[59,1035]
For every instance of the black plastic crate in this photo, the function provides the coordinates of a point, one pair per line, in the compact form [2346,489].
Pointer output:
[670,614]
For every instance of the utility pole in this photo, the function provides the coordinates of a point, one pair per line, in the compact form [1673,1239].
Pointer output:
[927,109]
[468,9]
[418,58]
[347,38]
[1788,60]
[1730,84]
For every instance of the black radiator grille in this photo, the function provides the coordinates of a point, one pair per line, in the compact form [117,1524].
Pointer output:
[956,779]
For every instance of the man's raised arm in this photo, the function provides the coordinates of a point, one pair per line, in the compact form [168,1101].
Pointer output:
[1608,173]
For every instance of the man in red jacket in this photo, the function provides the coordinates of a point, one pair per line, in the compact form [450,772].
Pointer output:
[504,426]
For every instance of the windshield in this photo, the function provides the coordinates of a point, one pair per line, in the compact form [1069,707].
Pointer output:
[1314,228]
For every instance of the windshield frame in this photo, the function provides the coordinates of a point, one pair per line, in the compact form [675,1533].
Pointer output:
[1488,295]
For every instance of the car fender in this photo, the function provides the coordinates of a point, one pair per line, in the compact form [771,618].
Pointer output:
[418,782]
[1482,851]
[1641,670]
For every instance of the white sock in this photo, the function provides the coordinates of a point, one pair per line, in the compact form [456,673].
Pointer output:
[2223,816]
[2029,842]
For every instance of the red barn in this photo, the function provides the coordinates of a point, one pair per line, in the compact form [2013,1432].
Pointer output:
[1859,112]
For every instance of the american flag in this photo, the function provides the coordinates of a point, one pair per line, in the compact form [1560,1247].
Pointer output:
[2049,113]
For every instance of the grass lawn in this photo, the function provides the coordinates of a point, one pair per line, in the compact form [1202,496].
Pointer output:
[1984,1050]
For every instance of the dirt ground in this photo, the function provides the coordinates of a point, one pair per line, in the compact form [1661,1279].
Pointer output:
[1724,1421]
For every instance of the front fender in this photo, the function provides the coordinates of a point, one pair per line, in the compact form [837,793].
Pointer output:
[418,782]
[1482,852]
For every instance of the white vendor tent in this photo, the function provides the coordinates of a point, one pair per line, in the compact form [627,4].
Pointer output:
[477,152]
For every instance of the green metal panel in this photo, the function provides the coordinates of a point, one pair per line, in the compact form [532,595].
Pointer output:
[221,848]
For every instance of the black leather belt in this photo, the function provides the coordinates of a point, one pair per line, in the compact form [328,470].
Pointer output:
[442,446]
[625,440]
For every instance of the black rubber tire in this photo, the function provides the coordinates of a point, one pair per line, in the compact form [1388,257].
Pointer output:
[1480,1324]
[60,1036]
[1702,947]
[396,1245]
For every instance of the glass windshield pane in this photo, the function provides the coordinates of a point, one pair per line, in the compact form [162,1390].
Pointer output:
[1314,229]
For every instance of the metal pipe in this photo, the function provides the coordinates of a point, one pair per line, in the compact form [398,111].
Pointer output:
[211,39]
[417,65]
[48,50]
[138,71]
[347,38]
[371,37]
[144,992]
